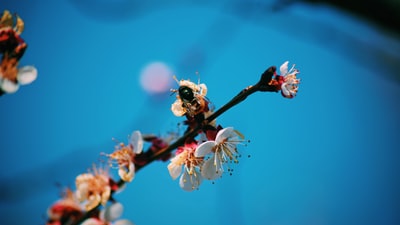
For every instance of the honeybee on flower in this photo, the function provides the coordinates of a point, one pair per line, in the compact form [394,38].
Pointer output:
[223,150]
[190,177]
[124,156]
[190,99]
[94,188]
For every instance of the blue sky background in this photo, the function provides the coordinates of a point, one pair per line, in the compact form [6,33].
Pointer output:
[329,156]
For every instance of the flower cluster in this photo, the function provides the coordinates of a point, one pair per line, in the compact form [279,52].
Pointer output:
[93,188]
[205,151]
[213,151]
[12,48]
[205,159]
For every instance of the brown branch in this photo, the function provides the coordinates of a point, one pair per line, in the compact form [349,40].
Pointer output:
[263,85]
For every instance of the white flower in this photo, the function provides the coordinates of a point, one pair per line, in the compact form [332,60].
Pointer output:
[125,154]
[289,86]
[24,76]
[190,177]
[93,188]
[223,151]
[109,215]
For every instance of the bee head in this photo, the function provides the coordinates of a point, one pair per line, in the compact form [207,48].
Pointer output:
[186,93]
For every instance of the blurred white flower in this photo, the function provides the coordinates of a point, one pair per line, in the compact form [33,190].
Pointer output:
[93,188]
[109,216]
[11,77]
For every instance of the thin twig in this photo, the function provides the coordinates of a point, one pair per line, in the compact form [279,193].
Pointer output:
[262,85]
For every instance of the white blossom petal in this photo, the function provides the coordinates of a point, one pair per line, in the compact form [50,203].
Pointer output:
[190,182]
[26,75]
[290,86]
[82,190]
[204,148]
[92,201]
[284,68]
[136,141]
[8,86]
[112,212]
[105,195]
[211,168]
[225,134]
[286,91]
[127,176]
[177,108]
[189,84]
[174,169]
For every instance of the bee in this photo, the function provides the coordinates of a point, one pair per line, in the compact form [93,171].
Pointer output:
[191,99]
